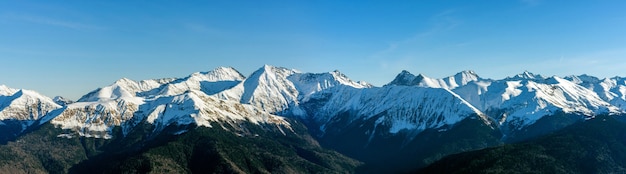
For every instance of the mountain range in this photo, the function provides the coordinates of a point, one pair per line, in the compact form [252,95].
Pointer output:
[406,124]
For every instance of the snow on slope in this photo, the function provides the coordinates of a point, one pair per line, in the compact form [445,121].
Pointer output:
[277,89]
[310,83]
[216,80]
[402,107]
[409,102]
[201,109]
[525,98]
[62,101]
[160,102]
[25,106]
[211,82]
[526,76]
[267,88]
[20,104]
[612,90]
[95,114]
[98,119]
[405,78]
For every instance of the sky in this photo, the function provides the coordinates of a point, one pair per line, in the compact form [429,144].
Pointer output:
[69,48]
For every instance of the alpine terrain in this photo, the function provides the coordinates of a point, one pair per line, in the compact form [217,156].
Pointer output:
[281,120]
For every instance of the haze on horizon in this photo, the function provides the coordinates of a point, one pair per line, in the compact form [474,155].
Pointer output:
[70,48]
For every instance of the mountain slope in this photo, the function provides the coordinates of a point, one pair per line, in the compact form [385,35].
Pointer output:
[98,119]
[162,102]
[593,146]
[518,102]
[405,78]
[412,121]
[267,88]
[392,123]
[405,108]
[21,109]
[521,101]
[206,150]
[612,90]
[280,90]
[260,149]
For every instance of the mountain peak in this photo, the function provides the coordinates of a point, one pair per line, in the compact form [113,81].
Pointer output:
[583,79]
[526,75]
[467,73]
[272,71]
[462,78]
[405,72]
[419,78]
[224,68]
[218,74]
[267,67]
[404,78]
[17,104]
[338,75]
[5,90]
[345,80]
[124,81]
[62,100]
[270,68]
[3,87]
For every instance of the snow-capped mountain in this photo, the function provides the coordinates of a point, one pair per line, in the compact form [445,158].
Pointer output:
[414,119]
[211,82]
[520,100]
[399,108]
[62,100]
[405,78]
[309,83]
[21,104]
[280,90]
[201,98]
[267,88]
[161,102]
[408,103]
[612,90]
[20,109]
[526,76]
[523,101]
[194,107]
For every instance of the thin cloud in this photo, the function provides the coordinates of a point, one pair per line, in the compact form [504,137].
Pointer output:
[200,28]
[51,22]
[440,23]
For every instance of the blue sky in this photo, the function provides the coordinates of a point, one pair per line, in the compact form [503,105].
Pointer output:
[72,47]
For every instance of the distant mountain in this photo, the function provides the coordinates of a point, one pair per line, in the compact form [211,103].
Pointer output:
[280,90]
[518,102]
[412,121]
[612,90]
[161,102]
[405,78]
[21,109]
[62,101]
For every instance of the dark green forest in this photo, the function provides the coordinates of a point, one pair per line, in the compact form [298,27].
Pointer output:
[594,146]
[200,150]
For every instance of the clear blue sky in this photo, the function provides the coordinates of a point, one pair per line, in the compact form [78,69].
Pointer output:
[69,48]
